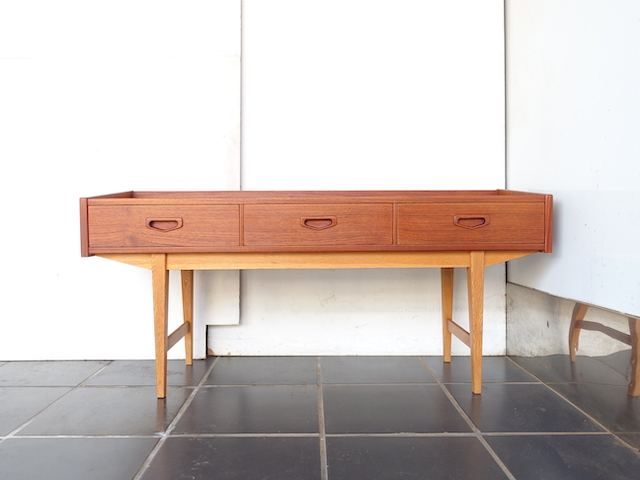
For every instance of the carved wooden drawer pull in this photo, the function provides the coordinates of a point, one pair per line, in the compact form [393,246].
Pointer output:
[318,223]
[470,221]
[164,224]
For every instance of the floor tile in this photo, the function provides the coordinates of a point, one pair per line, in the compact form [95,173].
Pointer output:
[257,409]
[109,411]
[374,370]
[143,372]
[494,370]
[559,368]
[520,408]
[264,371]
[566,457]
[609,404]
[389,408]
[19,404]
[73,458]
[236,459]
[47,374]
[391,458]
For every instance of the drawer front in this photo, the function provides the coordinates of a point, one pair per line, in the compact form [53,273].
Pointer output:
[471,224]
[318,224]
[129,226]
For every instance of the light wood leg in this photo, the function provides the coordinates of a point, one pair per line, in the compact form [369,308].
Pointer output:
[579,312]
[160,281]
[187,309]
[446,276]
[475,289]
[634,338]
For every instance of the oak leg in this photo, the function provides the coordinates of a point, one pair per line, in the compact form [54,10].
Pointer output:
[187,310]
[634,339]
[579,312]
[160,281]
[446,276]
[475,289]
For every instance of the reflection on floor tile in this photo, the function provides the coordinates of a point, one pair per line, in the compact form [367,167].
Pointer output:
[559,368]
[73,458]
[264,371]
[494,370]
[143,372]
[374,370]
[566,457]
[442,458]
[19,404]
[609,404]
[260,409]
[109,411]
[520,408]
[47,374]
[237,459]
[390,408]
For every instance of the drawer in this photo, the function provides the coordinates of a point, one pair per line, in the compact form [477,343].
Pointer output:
[480,224]
[318,224]
[127,226]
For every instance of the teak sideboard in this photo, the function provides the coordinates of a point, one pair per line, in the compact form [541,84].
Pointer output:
[189,231]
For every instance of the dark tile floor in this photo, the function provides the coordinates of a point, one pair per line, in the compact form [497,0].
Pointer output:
[327,418]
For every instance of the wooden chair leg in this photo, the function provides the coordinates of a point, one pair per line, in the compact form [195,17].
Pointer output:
[187,310]
[475,290]
[634,338]
[579,312]
[160,281]
[446,276]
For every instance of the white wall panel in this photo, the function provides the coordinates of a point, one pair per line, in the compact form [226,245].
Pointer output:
[100,97]
[351,94]
[573,131]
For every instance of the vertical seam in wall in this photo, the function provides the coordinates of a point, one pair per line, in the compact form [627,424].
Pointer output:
[240,186]
[504,52]
[506,168]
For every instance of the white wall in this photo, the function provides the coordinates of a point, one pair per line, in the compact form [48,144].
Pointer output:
[102,97]
[573,110]
[95,98]
[348,94]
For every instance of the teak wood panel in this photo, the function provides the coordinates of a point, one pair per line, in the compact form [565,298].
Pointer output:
[471,224]
[315,221]
[167,226]
[318,224]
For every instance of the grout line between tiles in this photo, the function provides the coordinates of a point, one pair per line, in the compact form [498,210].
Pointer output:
[172,425]
[324,462]
[14,432]
[606,430]
[245,435]
[476,431]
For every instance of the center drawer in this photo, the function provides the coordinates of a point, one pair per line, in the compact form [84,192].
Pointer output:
[318,224]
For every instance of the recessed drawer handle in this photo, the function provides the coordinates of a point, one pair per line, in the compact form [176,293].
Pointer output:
[164,224]
[318,223]
[468,221]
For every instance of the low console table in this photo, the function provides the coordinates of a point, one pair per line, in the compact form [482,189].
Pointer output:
[189,231]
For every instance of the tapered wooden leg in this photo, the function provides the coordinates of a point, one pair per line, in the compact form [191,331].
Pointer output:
[446,276]
[187,310]
[579,312]
[634,339]
[160,281]
[475,289]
